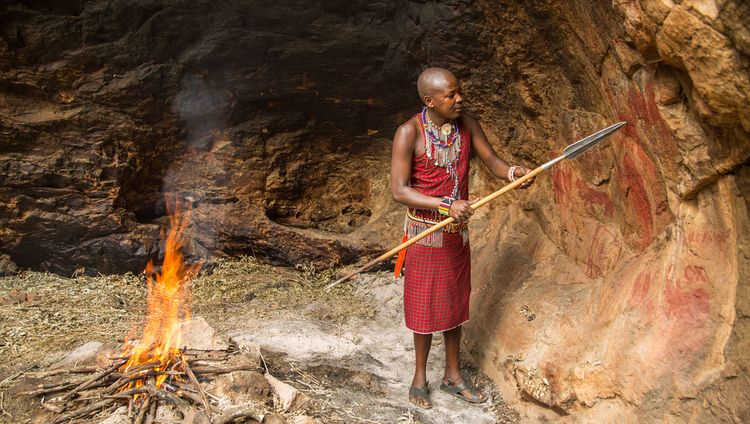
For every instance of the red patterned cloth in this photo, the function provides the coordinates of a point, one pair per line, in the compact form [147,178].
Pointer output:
[437,280]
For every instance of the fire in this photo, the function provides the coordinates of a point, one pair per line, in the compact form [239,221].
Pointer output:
[158,350]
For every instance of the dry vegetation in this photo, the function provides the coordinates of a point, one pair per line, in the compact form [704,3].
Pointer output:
[71,311]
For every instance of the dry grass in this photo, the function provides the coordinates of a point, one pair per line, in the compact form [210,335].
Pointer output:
[72,311]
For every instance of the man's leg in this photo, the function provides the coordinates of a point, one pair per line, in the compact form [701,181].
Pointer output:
[452,348]
[422,343]
[452,372]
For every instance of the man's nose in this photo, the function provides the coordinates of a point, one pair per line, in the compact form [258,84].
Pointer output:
[459,98]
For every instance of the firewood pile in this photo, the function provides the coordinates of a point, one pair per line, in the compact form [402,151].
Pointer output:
[144,389]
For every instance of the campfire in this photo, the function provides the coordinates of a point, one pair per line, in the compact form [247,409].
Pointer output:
[155,372]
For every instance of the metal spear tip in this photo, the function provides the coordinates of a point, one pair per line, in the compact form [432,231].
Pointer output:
[586,143]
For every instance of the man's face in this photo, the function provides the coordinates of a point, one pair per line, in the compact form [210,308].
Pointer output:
[446,99]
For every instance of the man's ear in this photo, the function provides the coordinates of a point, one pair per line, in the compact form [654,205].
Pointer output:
[428,101]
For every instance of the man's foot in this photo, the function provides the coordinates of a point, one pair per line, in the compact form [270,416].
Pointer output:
[418,396]
[462,390]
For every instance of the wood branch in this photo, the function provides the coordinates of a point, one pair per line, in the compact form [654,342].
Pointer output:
[180,389]
[167,397]
[82,411]
[223,370]
[116,385]
[95,378]
[152,412]
[143,367]
[145,406]
[16,375]
[53,389]
[125,380]
[197,385]
[127,394]
[78,370]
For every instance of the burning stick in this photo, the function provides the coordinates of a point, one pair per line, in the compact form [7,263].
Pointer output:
[155,371]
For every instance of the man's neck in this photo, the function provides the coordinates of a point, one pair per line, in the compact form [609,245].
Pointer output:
[437,120]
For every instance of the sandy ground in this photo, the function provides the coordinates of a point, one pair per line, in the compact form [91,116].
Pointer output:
[368,364]
[348,349]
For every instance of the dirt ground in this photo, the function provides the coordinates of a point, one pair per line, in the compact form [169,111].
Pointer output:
[347,349]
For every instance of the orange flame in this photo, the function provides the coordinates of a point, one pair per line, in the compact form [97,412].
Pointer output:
[168,305]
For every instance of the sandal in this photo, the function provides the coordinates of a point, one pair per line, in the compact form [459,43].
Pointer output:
[420,393]
[455,390]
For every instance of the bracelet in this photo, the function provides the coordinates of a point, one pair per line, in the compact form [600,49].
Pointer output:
[512,173]
[445,205]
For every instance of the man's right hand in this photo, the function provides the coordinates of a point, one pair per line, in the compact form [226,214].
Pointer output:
[461,210]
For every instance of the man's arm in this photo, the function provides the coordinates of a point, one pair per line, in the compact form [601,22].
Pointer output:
[487,154]
[401,158]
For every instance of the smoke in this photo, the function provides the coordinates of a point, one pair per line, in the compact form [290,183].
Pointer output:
[200,108]
[189,178]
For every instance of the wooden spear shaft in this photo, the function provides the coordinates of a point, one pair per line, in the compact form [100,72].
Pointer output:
[476,205]
[570,152]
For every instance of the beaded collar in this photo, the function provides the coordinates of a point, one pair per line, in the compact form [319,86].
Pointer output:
[442,146]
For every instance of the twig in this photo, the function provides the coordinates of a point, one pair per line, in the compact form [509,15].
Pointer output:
[60,387]
[223,370]
[167,397]
[79,370]
[152,412]
[143,367]
[82,411]
[197,385]
[142,412]
[93,379]
[127,394]
[16,375]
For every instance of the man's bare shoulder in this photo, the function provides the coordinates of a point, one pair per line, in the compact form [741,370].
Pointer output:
[409,128]
[407,132]
[469,120]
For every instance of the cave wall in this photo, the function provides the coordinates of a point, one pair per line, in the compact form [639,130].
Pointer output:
[614,289]
[273,122]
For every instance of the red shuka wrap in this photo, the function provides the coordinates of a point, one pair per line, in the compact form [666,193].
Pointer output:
[437,280]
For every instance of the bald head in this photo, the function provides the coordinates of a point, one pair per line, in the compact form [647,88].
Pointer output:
[432,80]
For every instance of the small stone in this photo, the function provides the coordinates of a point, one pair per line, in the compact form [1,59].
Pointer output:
[199,335]
[286,397]
[83,355]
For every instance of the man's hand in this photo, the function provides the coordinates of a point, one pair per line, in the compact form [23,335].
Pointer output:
[461,210]
[520,172]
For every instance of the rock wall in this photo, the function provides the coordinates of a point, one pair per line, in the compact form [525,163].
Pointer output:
[613,290]
[616,289]
[272,121]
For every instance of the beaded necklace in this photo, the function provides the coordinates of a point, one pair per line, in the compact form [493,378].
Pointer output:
[444,145]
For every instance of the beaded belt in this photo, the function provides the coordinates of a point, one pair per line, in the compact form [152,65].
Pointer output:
[416,216]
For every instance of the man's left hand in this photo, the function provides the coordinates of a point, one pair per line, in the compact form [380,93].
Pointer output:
[520,172]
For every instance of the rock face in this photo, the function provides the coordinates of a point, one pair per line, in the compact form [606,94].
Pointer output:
[615,289]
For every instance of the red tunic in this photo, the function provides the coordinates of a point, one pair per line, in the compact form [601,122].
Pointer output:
[437,280]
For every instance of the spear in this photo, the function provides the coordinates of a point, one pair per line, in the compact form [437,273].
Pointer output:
[570,152]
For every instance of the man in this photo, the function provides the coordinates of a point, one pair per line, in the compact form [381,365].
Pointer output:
[429,174]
